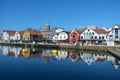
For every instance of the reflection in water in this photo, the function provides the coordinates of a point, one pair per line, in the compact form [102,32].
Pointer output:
[73,56]
[88,58]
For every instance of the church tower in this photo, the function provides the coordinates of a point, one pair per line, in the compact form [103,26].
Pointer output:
[47,27]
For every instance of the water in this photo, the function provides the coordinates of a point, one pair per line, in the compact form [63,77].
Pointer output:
[41,64]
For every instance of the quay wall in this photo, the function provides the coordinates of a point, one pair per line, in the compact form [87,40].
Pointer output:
[65,46]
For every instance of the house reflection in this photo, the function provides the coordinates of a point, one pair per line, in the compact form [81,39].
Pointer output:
[17,52]
[47,55]
[88,57]
[11,51]
[74,56]
[62,55]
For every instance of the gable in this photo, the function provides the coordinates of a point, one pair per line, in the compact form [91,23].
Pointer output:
[76,32]
[88,31]
[116,26]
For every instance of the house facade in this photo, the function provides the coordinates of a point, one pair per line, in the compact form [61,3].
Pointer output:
[60,36]
[32,35]
[113,37]
[8,35]
[18,36]
[74,36]
[93,36]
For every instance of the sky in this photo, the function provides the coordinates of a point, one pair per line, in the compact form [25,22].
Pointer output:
[68,14]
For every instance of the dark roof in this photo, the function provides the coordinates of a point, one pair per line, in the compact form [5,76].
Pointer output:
[10,32]
[118,25]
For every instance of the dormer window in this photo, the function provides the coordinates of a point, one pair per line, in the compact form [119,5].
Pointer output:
[88,29]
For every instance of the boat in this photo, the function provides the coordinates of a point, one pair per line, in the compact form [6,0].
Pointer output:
[54,52]
[26,52]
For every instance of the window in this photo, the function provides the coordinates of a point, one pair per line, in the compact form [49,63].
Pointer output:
[88,30]
[81,37]
[60,36]
[116,33]
[110,35]
[116,36]
[95,37]
[64,36]
[73,35]
[92,33]
[99,37]
[102,37]
[92,37]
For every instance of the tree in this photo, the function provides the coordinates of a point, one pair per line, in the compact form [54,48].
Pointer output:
[29,28]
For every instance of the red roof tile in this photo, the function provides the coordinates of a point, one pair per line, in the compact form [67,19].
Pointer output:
[33,32]
[21,33]
[10,32]
[100,31]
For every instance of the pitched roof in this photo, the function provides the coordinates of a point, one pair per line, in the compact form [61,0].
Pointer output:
[100,31]
[33,32]
[118,25]
[21,33]
[80,32]
[10,32]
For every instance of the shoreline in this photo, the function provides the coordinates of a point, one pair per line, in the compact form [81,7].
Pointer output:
[113,50]
[64,46]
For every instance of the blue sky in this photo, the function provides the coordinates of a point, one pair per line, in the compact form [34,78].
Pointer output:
[67,14]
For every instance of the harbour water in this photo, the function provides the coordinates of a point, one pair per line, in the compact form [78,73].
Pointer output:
[44,64]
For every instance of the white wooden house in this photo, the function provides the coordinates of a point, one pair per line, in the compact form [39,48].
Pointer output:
[113,37]
[60,36]
[11,35]
[93,36]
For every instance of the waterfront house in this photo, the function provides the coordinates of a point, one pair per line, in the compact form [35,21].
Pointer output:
[113,37]
[18,35]
[8,35]
[74,36]
[60,36]
[55,35]
[93,36]
[32,35]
